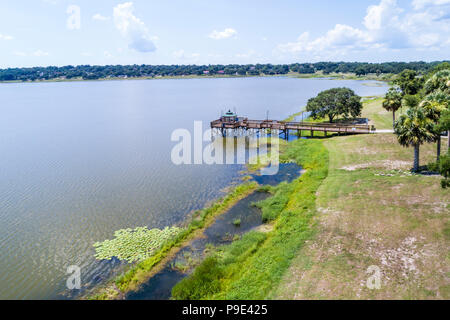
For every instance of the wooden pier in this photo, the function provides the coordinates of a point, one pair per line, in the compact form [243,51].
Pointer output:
[238,125]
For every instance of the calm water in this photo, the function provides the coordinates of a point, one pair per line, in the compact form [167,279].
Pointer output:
[80,160]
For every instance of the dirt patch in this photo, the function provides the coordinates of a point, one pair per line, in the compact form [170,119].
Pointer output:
[384,164]
[265,228]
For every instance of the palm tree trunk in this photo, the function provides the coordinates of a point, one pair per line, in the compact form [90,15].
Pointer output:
[393,120]
[416,158]
[438,148]
[448,141]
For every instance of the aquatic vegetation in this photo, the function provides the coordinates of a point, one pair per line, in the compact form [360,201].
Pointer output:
[134,245]
[237,222]
[206,278]
[273,206]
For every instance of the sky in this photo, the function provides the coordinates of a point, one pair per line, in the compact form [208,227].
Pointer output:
[105,32]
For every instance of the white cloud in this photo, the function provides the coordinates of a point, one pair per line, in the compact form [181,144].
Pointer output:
[5,37]
[132,28]
[420,4]
[107,54]
[386,26]
[342,36]
[225,34]
[99,17]
[378,16]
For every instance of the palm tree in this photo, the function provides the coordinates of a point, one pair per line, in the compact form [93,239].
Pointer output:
[414,129]
[433,105]
[439,81]
[393,102]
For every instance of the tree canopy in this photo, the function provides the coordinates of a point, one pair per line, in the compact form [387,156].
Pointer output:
[335,102]
[100,72]
[435,103]
[409,82]
[439,81]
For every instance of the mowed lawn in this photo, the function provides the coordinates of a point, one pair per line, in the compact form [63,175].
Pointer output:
[373,212]
[378,116]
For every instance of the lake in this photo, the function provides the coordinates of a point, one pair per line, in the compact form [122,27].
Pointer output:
[80,160]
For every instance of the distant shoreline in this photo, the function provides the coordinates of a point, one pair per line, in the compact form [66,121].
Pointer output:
[317,75]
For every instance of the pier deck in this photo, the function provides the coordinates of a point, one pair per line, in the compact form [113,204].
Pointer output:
[245,124]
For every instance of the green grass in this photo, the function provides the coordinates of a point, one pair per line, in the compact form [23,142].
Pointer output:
[379,117]
[274,205]
[206,278]
[253,265]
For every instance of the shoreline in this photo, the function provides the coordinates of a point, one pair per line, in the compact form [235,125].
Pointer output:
[137,274]
[319,76]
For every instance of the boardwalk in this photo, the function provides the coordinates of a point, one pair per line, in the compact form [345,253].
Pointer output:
[228,124]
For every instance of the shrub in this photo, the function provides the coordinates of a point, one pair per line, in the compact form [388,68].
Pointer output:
[204,281]
[443,167]
[444,170]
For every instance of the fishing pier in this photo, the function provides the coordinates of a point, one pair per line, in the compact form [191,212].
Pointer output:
[232,125]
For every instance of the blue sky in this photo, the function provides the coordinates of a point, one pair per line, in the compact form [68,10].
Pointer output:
[62,32]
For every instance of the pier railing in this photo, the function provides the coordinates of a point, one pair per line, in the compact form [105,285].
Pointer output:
[285,126]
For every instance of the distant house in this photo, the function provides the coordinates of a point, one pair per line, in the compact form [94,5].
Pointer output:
[221,72]
[206,72]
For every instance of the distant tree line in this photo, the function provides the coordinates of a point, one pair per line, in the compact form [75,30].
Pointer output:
[88,72]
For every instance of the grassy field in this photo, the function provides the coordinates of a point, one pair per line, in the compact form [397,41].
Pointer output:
[373,212]
[378,116]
